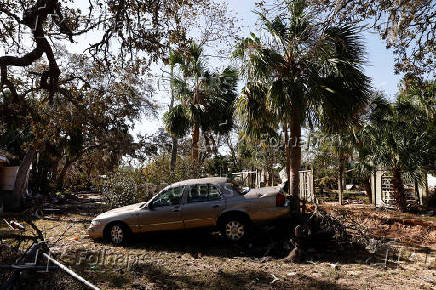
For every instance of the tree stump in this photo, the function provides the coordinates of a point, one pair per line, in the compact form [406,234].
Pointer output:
[297,254]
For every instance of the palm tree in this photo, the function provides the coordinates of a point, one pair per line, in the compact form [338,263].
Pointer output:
[401,138]
[341,147]
[364,166]
[305,75]
[173,59]
[205,99]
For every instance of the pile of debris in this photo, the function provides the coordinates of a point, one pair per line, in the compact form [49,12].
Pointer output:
[32,267]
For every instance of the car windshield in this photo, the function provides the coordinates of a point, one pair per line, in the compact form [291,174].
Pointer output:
[168,197]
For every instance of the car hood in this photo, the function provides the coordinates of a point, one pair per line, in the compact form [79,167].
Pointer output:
[120,211]
[263,192]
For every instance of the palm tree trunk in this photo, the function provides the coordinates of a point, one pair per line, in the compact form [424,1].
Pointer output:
[232,152]
[195,139]
[207,143]
[288,154]
[341,180]
[368,190]
[214,147]
[173,154]
[295,164]
[398,187]
[174,139]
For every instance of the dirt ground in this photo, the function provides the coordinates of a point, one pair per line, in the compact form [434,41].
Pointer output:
[400,255]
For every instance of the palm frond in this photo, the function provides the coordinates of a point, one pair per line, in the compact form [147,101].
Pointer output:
[256,119]
[176,121]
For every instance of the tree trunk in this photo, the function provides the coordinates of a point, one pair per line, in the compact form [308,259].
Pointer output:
[368,190]
[173,154]
[195,139]
[295,152]
[207,144]
[61,176]
[21,181]
[399,192]
[341,180]
[214,147]
[233,153]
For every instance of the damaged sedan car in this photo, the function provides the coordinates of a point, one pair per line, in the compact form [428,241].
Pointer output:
[196,203]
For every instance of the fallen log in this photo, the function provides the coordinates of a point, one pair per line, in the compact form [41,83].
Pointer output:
[409,222]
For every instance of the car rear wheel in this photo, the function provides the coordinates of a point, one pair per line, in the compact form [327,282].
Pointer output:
[118,234]
[234,229]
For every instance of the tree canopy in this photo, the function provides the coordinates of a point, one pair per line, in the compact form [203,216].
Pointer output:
[408,27]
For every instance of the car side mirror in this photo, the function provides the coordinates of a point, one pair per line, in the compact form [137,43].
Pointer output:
[150,205]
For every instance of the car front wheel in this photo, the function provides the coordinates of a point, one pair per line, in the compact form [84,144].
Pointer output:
[118,234]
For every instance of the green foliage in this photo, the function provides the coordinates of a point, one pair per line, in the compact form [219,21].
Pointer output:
[264,154]
[329,181]
[15,129]
[219,166]
[157,171]
[92,123]
[307,74]
[176,122]
[124,187]
[205,99]
[401,135]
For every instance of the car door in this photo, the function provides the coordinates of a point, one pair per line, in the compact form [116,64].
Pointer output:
[203,205]
[164,212]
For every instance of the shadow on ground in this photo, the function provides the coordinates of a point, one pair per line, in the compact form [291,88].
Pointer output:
[265,244]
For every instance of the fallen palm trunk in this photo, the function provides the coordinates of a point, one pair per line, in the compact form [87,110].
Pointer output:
[409,222]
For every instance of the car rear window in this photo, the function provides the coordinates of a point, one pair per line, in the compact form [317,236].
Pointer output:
[234,187]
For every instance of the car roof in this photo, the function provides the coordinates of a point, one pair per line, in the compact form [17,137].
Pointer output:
[210,180]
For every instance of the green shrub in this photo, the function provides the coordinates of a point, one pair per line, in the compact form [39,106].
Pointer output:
[157,171]
[126,186]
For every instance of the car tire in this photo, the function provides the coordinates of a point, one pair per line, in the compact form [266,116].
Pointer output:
[234,229]
[118,234]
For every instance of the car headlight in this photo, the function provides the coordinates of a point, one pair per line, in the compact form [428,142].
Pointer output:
[96,223]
